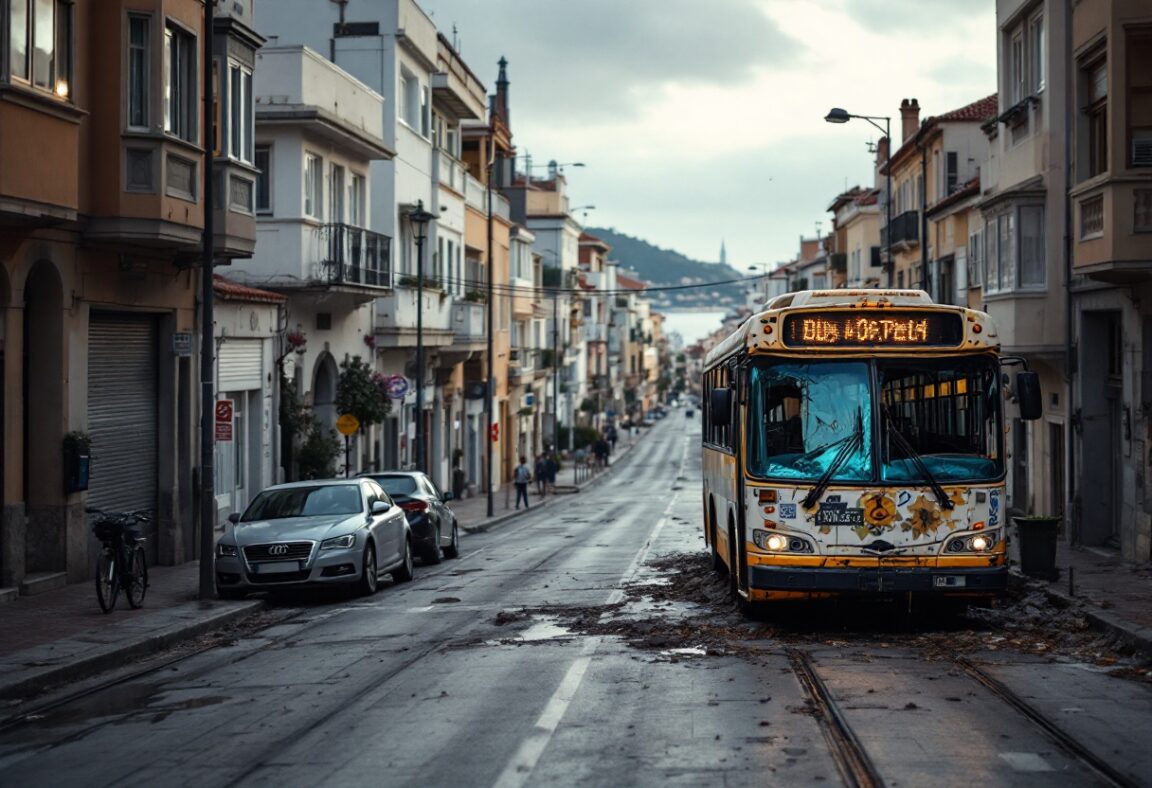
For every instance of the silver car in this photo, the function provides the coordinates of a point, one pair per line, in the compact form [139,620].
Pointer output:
[332,532]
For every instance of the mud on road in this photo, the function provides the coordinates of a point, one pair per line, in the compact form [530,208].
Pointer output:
[681,609]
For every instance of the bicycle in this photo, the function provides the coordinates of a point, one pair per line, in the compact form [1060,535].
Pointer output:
[121,561]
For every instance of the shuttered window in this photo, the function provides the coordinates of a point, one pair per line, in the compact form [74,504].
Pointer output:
[239,365]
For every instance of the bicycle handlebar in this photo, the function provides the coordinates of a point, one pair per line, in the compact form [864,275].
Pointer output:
[139,514]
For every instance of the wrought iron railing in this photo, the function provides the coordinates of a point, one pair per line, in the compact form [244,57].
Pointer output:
[905,229]
[355,256]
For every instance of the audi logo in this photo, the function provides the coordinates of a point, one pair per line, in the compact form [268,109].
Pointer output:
[278,549]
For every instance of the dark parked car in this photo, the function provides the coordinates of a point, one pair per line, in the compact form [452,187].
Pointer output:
[434,527]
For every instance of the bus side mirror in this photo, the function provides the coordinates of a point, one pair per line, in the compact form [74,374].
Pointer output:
[1028,395]
[720,405]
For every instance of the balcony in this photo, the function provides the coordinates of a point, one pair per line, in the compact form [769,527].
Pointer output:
[905,231]
[396,317]
[595,332]
[468,321]
[521,363]
[354,256]
[450,172]
[1112,220]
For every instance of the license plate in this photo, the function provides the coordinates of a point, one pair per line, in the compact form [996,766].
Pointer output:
[949,581]
[276,567]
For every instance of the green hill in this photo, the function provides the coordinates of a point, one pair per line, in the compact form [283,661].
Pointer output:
[659,266]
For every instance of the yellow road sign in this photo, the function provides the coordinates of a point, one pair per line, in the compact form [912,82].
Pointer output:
[348,424]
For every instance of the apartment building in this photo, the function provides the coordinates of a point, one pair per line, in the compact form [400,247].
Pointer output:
[1023,185]
[856,238]
[101,165]
[1110,205]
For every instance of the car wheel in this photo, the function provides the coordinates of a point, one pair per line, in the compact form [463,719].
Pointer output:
[403,573]
[369,580]
[453,550]
[435,553]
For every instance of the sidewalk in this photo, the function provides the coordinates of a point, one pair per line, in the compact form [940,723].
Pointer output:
[1115,595]
[61,635]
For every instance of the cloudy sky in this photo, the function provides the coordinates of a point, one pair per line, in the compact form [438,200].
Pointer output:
[702,121]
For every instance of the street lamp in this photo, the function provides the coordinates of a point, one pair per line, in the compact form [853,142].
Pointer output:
[584,208]
[419,219]
[838,115]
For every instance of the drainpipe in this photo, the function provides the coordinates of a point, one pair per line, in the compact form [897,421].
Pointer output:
[1071,513]
[207,540]
[923,210]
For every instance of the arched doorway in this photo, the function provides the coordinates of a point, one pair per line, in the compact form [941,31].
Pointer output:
[45,545]
[324,391]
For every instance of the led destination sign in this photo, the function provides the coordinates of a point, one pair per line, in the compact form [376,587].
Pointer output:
[922,329]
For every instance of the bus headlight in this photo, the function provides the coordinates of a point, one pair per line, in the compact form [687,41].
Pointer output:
[978,543]
[780,543]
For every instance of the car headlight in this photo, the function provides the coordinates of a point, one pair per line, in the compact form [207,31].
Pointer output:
[225,550]
[345,541]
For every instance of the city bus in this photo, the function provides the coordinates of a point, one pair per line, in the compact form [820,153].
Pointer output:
[854,443]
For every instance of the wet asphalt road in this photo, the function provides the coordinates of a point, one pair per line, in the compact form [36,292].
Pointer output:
[446,682]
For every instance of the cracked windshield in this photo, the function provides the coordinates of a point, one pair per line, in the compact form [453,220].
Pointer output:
[607,393]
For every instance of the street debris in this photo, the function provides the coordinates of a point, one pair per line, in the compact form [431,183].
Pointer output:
[678,609]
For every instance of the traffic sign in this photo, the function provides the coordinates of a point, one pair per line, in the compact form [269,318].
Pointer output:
[224,412]
[348,424]
[495,431]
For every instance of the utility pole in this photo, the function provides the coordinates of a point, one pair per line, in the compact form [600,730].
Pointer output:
[490,388]
[207,333]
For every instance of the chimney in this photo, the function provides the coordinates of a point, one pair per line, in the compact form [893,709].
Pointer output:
[909,117]
[882,152]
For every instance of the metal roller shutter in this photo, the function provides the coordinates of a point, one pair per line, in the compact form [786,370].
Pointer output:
[239,365]
[122,411]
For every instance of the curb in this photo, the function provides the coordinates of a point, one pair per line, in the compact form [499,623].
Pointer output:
[1132,635]
[100,658]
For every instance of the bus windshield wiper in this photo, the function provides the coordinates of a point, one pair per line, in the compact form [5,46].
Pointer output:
[851,444]
[926,475]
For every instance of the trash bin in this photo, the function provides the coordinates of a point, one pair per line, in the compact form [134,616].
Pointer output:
[1038,545]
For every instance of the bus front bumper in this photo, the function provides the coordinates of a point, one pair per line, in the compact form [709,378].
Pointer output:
[880,580]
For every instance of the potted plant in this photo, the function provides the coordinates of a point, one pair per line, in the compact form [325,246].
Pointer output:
[1038,544]
[77,461]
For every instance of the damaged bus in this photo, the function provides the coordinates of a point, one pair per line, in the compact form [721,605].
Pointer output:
[853,443]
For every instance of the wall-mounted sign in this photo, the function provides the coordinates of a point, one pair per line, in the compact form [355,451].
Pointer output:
[182,343]
[397,386]
[224,420]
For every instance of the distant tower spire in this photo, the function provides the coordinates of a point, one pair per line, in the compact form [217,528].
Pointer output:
[723,253]
[500,103]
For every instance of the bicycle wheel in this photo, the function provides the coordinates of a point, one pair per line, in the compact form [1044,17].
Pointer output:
[107,580]
[136,578]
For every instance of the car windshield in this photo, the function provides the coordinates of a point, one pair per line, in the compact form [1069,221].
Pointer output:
[803,415]
[943,413]
[397,485]
[305,502]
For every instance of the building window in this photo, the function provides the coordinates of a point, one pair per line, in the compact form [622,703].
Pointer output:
[40,43]
[1142,212]
[356,201]
[1096,117]
[313,185]
[139,61]
[976,258]
[1032,261]
[1016,69]
[336,195]
[1037,52]
[410,98]
[263,163]
[180,90]
[1092,217]
[1138,44]
[240,120]
[425,112]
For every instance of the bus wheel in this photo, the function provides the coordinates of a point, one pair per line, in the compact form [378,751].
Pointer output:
[733,566]
[717,562]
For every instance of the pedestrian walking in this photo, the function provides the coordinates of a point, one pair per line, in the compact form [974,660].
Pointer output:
[541,474]
[520,477]
[613,436]
[551,466]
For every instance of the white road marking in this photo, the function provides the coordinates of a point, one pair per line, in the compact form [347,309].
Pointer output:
[1027,762]
[519,768]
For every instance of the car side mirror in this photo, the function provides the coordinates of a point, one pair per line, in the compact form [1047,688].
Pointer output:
[448,497]
[234,518]
[379,507]
[1028,395]
[720,402]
